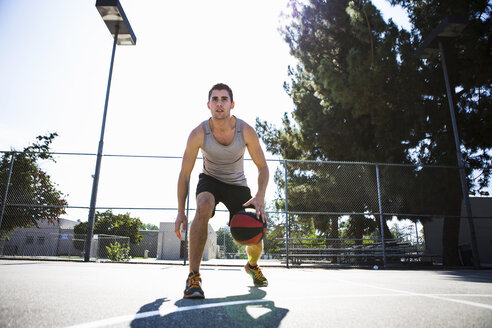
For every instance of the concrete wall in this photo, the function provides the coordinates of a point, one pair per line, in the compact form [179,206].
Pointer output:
[149,242]
[481,207]
[211,248]
[169,247]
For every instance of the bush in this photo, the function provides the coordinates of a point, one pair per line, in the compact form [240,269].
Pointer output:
[118,252]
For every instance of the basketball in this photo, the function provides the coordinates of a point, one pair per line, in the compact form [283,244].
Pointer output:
[246,229]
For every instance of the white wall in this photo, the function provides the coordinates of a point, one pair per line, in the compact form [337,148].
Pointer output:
[169,246]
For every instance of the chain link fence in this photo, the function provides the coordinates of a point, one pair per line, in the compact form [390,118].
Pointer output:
[319,213]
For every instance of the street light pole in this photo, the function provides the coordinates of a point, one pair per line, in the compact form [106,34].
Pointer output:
[118,25]
[95,182]
[450,27]
[461,165]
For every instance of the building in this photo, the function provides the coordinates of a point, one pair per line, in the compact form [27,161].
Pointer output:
[46,240]
[482,210]
[58,240]
[169,247]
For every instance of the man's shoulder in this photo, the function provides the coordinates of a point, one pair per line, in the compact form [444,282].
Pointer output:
[195,139]
[248,130]
[198,131]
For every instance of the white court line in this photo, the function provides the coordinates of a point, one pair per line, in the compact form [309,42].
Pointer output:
[434,296]
[163,312]
[387,295]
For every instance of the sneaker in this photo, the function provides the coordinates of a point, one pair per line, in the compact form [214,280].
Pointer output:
[194,286]
[255,273]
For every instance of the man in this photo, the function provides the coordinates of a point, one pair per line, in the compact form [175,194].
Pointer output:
[222,139]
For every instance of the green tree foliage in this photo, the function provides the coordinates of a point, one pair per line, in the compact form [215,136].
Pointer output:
[108,223]
[350,64]
[224,238]
[346,107]
[32,195]
[273,241]
[149,226]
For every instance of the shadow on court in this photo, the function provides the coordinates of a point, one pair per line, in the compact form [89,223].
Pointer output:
[248,310]
[481,276]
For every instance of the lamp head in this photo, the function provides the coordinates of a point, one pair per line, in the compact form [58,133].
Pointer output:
[449,27]
[115,19]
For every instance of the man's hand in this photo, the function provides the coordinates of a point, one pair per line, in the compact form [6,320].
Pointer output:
[259,205]
[180,224]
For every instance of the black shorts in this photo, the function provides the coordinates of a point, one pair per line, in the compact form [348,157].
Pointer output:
[233,197]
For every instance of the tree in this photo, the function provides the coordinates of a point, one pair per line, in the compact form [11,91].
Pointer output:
[149,226]
[350,64]
[32,195]
[108,223]
[274,239]
[224,238]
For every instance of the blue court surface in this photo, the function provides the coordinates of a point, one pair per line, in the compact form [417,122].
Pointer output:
[77,294]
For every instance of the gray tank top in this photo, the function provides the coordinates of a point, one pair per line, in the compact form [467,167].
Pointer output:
[224,163]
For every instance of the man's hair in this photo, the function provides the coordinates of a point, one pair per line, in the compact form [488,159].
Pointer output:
[221,86]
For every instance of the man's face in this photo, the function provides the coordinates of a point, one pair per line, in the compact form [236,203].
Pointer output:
[220,104]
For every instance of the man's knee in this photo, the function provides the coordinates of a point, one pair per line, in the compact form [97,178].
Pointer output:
[205,204]
[257,247]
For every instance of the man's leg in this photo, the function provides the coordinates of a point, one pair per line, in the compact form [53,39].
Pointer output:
[254,253]
[199,229]
[252,268]
[198,238]
[234,198]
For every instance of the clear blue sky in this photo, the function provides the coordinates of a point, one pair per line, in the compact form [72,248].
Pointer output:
[54,63]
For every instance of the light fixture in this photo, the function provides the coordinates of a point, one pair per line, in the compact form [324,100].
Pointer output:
[115,19]
[449,27]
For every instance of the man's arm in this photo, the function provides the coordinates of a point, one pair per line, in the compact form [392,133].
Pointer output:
[195,141]
[258,157]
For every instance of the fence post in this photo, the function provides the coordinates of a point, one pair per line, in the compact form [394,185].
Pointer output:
[4,200]
[287,235]
[381,220]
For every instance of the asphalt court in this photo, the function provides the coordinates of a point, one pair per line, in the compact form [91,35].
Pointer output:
[76,294]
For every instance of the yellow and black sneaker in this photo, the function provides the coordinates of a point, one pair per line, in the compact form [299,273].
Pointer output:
[255,272]
[194,286]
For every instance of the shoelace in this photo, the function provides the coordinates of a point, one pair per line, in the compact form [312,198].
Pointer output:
[194,280]
[258,274]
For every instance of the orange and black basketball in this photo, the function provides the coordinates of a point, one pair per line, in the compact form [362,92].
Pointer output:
[246,228]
